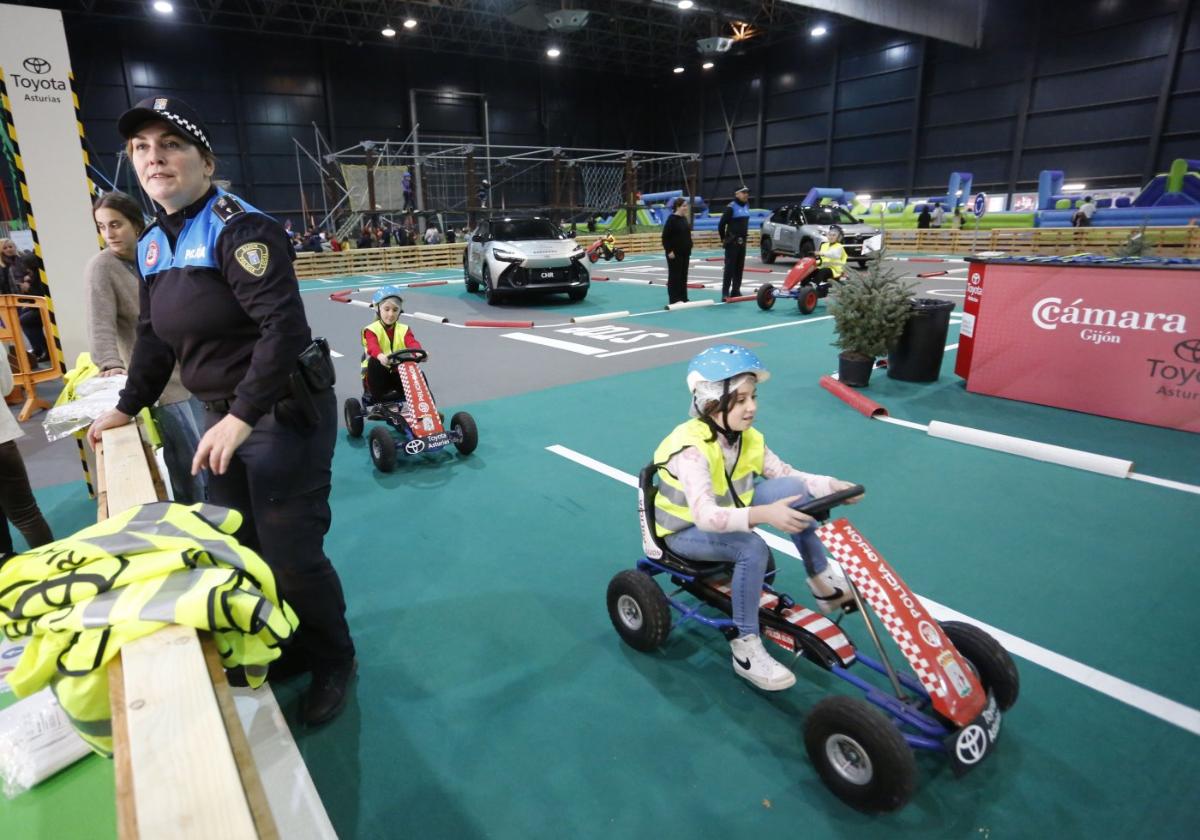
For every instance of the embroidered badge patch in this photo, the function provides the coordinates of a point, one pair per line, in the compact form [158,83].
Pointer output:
[253,256]
[151,254]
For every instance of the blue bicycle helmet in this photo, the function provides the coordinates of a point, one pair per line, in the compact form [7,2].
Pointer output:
[387,292]
[722,362]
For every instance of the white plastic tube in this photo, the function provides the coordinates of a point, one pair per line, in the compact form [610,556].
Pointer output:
[604,316]
[1076,458]
[425,316]
[690,304]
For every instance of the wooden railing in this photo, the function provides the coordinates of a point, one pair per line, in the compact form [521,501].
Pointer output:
[1160,241]
[360,261]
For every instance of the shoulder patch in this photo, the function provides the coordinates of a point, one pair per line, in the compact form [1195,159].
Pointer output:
[253,257]
[226,207]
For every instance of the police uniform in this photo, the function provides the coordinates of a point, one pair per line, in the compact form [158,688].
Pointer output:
[219,294]
[733,229]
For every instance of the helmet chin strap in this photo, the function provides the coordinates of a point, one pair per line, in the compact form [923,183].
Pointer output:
[730,437]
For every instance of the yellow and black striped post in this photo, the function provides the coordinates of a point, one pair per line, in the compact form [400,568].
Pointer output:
[11,128]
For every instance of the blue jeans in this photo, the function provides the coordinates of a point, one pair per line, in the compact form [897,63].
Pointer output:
[179,426]
[748,551]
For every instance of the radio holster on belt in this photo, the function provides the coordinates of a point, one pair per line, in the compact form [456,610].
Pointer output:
[312,375]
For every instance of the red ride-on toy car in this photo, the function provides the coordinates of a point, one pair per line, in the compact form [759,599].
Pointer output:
[418,425]
[605,246]
[796,286]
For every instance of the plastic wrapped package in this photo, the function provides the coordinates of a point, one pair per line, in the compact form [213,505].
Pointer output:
[36,741]
[93,397]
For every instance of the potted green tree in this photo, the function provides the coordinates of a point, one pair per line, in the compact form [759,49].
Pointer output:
[869,312]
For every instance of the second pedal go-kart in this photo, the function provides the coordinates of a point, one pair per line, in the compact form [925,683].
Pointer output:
[602,248]
[951,703]
[414,424]
[796,286]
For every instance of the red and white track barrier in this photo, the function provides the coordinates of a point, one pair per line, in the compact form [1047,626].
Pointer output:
[862,404]
[605,316]
[933,273]
[426,283]
[342,296]
[1077,458]
[510,324]
[597,278]
[758,270]
[739,299]
[696,286]
[714,259]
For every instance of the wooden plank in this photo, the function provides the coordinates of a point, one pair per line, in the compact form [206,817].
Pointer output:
[123,770]
[185,781]
[127,477]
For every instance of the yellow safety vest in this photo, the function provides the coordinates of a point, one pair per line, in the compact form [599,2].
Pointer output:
[833,257]
[82,597]
[387,345]
[671,511]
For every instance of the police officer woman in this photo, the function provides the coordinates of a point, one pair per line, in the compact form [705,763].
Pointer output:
[219,294]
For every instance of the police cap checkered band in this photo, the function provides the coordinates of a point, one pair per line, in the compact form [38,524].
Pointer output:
[175,111]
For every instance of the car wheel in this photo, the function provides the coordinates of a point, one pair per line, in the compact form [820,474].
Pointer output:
[860,755]
[471,283]
[808,298]
[492,296]
[464,422]
[991,661]
[638,610]
[352,412]
[383,449]
[765,253]
[807,248]
[765,296]
[577,294]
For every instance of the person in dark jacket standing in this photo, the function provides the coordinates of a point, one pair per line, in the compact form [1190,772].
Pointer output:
[733,229]
[677,242]
[924,217]
[219,294]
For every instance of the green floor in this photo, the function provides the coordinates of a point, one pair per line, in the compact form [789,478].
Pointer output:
[495,699]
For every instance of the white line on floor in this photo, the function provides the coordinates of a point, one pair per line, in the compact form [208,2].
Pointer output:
[1165,482]
[1163,708]
[710,337]
[556,343]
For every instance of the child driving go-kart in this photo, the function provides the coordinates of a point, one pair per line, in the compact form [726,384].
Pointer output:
[831,257]
[718,480]
[380,339]
[605,246]
[811,277]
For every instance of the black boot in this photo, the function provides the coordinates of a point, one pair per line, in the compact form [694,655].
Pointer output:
[327,695]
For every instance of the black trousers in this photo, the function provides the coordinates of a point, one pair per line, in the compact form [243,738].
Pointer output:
[381,379]
[677,272]
[822,275]
[279,480]
[17,502]
[735,259]
[31,324]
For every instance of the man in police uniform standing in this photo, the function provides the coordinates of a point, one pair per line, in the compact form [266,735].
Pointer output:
[733,229]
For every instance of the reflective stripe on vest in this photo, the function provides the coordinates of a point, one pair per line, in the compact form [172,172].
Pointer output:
[833,257]
[387,345]
[671,510]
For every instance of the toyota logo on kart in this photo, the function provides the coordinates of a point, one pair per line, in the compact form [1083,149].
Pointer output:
[1188,350]
[414,447]
[33,64]
[971,744]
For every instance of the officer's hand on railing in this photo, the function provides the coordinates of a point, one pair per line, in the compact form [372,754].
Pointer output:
[108,420]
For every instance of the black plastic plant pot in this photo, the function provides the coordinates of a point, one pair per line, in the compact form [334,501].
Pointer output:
[917,356]
[855,370]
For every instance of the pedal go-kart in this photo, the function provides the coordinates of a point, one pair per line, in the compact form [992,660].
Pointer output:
[862,747]
[416,426]
[797,286]
[602,248]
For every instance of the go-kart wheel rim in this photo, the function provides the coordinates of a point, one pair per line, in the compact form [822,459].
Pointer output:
[848,759]
[376,450]
[630,612]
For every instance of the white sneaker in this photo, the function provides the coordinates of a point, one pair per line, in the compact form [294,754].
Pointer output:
[831,590]
[751,660]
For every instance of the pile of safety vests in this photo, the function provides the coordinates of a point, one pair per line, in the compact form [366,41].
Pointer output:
[79,599]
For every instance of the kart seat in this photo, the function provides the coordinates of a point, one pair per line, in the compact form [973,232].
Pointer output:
[674,561]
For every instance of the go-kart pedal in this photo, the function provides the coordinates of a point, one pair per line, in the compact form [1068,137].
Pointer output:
[752,662]
[832,591]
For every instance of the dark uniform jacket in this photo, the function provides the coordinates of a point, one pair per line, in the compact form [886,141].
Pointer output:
[735,222]
[219,294]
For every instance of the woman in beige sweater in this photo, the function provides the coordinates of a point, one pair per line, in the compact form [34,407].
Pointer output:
[111,280]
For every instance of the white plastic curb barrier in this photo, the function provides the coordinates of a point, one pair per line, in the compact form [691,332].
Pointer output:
[1076,458]
[604,316]
[690,304]
[425,316]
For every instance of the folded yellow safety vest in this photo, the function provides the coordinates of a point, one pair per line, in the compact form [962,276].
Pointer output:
[82,597]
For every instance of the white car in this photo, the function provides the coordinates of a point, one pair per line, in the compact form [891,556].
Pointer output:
[510,257]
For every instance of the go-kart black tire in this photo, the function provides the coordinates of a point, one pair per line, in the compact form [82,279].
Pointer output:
[593,257]
[860,754]
[352,413]
[619,253]
[807,301]
[470,282]
[383,449]
[577,295]
[489,291]
[766,254]
[638,610]
[470,432]
[991,661]
[765,296]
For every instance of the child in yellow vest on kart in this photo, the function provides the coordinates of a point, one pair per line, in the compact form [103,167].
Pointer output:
[382,337]
[831,257]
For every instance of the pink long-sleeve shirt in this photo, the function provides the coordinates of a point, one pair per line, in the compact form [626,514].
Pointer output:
[691,467]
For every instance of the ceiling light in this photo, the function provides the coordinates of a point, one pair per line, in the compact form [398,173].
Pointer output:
[1074,187]
[708,65]
[410,23]
[554,52]
[163,7]
[685,4]
[817,31]
[388,32]
[677,70]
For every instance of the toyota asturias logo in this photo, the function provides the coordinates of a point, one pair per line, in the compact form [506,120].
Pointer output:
[36,65]
[1188,350]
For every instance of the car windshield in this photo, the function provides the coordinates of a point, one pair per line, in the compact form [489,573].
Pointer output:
[511,230]
[829,216]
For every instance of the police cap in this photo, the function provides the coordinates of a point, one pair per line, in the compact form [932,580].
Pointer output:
[169,109]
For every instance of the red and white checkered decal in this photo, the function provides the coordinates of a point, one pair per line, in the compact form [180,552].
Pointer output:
[814,623]
[419,410]
[952,685]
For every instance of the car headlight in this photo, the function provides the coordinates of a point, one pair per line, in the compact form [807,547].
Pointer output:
[578,253]
[508,255]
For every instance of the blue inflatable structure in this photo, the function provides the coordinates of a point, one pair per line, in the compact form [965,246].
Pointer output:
[1172,198]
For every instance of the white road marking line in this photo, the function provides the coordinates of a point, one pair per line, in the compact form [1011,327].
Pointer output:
[1165,482]
[1156,705]
[711,337]
[557,344]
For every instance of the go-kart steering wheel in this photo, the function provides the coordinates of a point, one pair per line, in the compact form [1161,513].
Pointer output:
[398,357]
[818,509]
